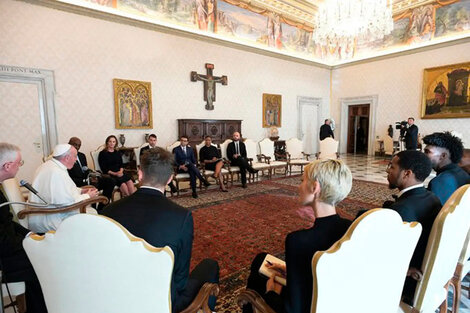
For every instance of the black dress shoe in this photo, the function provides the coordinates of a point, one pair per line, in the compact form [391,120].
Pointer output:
[194,195]
[206,183]
[252,170]
[173,188]
[244,186]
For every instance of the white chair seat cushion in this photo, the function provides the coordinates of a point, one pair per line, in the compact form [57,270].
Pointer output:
[182,175]
[208,172]
[16,289]
[224,171]
[258,165]
[277,163]
[234,169]
[299,162]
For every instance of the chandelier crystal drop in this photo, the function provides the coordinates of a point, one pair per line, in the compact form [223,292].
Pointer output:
[346,20]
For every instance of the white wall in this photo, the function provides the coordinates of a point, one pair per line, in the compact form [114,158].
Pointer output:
[87,53]
[398,83]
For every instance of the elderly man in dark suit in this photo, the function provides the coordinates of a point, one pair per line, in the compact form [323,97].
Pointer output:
[80,172]
[186,163]
[326,131]
[411,135]
[148,214]
[407,172]
[236,153]
[445,151]
[15,264]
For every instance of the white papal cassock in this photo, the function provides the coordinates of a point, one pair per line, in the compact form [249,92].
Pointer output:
[54,184]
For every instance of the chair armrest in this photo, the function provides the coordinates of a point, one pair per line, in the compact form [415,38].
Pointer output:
[307,155]
[201,302]
[317,155]
[288,156]
[258,304]
[266,158]
[337,155]
[79,205]
[250,160]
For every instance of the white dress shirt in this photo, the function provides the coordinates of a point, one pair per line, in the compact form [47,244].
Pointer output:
[54,184]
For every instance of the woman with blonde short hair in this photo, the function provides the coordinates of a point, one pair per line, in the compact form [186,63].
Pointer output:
[324,184]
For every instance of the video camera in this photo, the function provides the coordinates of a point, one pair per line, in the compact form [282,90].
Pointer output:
[402,126]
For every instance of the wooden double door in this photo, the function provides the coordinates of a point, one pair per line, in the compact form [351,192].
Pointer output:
[358,128]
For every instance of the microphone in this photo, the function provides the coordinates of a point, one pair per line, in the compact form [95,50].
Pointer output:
[28,186]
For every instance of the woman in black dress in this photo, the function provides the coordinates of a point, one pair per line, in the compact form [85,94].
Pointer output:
[209,155]
[110,161]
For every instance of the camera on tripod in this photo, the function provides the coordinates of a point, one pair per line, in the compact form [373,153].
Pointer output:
[402,126]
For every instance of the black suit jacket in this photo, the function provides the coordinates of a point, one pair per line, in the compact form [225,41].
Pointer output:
[148,214]
[76,173]
[231,150]
[422,206]
[11,233]
[411,137]
[181,158]
[448,179]
[301,245]
[325,132]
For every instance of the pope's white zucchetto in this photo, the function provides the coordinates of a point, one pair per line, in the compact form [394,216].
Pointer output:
[61,149]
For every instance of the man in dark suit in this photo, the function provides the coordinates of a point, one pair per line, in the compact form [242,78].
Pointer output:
[326,131]
[80,171]
[152,143]
[148,214]
[411,135]
[445,151]
[236,153]
[186,163]
[15,264]
[407,172]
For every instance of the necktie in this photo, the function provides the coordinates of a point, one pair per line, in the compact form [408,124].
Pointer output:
[238,148]
[80,164]
[184,150]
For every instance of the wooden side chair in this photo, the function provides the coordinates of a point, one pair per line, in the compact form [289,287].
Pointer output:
[232,169]
[178,177]
[266,148]
[106,270]
[256,159]
[328,149]
[362,272]
[295,154]
[444,248]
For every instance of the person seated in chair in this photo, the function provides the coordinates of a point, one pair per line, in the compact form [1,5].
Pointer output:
[210,157]
[407,172]
[148,214]
[445,152]
[110,161]
[80,173]
[54,184]
[236,153]
[152,143]
[324,184]
[186,163]
[14,263]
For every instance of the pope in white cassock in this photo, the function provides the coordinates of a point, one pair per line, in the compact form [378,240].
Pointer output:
[55,186]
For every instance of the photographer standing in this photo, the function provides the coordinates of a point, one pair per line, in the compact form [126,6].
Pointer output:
[411,136]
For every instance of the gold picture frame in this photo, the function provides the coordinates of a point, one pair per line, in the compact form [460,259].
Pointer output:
[132,104]
[272,110]
[446,92]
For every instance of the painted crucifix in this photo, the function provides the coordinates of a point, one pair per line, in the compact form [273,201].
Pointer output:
[209,84]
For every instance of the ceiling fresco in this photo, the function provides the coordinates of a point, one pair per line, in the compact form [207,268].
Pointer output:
[286,26]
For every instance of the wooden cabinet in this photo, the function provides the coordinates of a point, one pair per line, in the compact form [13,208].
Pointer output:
[197,130]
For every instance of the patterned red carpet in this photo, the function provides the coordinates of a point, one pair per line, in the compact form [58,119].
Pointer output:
[233,227]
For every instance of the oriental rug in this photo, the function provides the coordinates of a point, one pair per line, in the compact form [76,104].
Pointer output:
[233,227]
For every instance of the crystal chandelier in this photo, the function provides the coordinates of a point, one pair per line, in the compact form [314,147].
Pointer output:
[346,20]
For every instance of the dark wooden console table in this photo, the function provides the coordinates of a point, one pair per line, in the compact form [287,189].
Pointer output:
[197,130]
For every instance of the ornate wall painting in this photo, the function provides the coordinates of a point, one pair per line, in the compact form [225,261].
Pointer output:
[272,110]
[453,19]
[446,92]
[132,104]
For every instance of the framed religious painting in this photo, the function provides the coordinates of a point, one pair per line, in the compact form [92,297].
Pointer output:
[272,110]
[446,92]
[132,104]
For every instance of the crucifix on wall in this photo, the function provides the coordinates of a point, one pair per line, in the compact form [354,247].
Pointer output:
[209,84]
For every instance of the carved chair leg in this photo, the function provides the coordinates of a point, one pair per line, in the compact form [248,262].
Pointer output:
[177,188]
[457,286]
